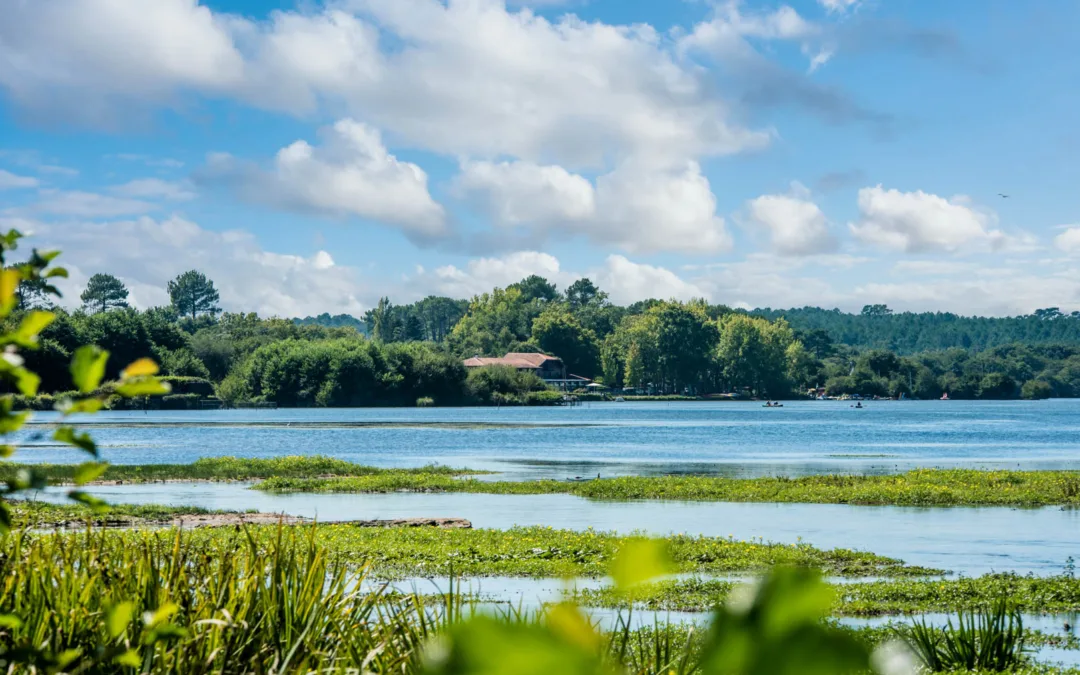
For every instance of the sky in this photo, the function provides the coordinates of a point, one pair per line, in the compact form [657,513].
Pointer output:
[314,156]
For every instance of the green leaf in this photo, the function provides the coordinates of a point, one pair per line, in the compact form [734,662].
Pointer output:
[7,450]
[86,406]
[130,658]
[488,646]
[82,441]
[67,657]
[118,618]
[88,367]
[89,472]
[9,284]
[143,387]
[96,505]
[10,621]
[638,561]
[26,335]
[27,382]
[10,421]
[161,614]
[57,272]
[140,368]
[5,518]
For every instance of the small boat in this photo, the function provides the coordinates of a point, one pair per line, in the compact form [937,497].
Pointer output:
[773,405]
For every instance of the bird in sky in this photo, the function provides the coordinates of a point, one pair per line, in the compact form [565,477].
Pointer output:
[1003,196]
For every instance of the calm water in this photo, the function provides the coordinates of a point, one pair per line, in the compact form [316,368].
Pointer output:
[610,438]
[963,540]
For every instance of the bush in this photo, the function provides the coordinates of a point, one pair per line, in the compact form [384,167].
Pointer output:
[1036,389]
[180,402]
[547,397]
[502,384]
[425,402]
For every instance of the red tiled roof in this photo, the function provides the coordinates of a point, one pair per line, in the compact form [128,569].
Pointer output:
[512,359]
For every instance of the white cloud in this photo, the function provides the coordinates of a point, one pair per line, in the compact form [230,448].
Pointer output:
[1069,240]
[87,58]
[517,193]
[919,222]
[155,188]
[461,78]
[636,208]
[625,280]
[794,224]
[79,204]
[480,275]
[10,181]
[350,174]
[838,6]
[628,282]
[147,253]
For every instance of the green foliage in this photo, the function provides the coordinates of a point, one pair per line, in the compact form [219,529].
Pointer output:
[104,292]
[868,598]
[502,385]
[920,487]
[495,323]
[345,372]
[536,287]
[192,294]
[992,641]
[1036,389]
[558,332]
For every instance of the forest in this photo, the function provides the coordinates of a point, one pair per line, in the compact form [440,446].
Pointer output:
[411,354]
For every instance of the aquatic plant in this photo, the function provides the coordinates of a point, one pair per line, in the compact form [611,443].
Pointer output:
[991,641]
[920,487]
[869,598]
[229,469]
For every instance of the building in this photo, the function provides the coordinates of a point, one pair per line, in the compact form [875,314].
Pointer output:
[550,369]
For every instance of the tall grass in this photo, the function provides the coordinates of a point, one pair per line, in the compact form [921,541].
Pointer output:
[992,641]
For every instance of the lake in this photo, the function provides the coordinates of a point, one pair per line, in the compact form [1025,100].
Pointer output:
[737,439]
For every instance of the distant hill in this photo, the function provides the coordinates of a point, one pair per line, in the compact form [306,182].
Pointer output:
[336,321]
[909,333]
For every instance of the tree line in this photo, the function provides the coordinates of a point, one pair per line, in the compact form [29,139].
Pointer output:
[400,354]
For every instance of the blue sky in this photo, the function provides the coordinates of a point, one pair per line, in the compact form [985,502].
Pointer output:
[313,156]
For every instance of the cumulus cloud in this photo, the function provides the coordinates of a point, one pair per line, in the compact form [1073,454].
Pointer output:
[628,282]
[920,222]
[468,78]
[10,181]
[625,280]
[85,59]
[146,253]
[1069,240]
[638,208]
[350,173]
[794,224]
[155,188]
[480,275]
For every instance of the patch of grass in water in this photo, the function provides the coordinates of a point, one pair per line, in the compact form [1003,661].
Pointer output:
[920,487]
[231,469]
[873,598]
[541,552]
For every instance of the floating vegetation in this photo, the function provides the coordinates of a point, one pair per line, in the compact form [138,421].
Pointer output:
[921,487]
[229,469]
